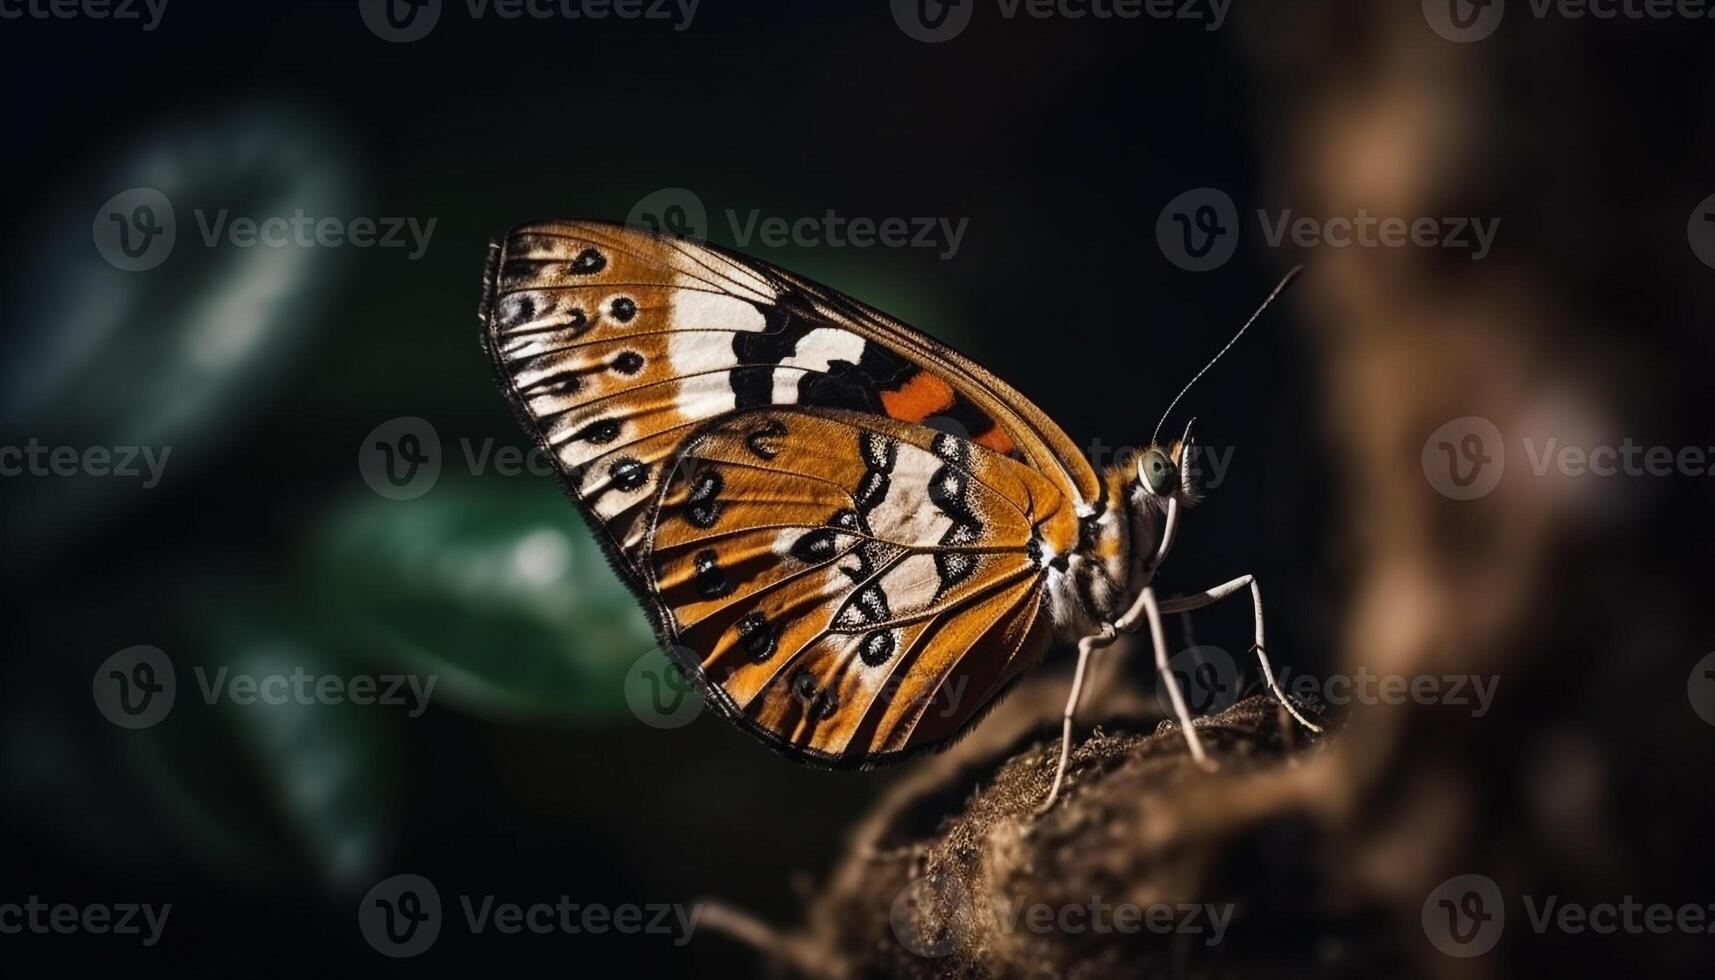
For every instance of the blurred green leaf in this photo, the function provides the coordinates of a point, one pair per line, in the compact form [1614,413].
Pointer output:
[172,357]
[266,786]
[492,584]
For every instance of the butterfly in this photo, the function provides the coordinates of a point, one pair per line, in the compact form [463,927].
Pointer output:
[850,537]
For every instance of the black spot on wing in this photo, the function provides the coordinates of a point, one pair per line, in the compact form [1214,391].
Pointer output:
[866,608]
[954,567]
[588,263]
[866,557]
[877,647]
[950,492]
[628,474]
[871,490]
[878,451]
[818,703]
[703,509]
[762,441]
[815,547]
[712,582]
[599,432]
[757,636]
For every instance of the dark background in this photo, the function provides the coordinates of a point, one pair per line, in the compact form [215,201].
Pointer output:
[528,777]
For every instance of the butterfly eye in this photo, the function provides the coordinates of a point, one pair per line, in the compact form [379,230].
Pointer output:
[1157,472]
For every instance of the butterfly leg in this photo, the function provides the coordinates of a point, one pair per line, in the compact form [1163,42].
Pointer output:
[1210,597]
[1086,646]
[1146,608]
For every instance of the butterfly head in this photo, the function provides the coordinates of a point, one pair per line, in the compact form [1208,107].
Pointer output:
[1168,473]
[1162,485]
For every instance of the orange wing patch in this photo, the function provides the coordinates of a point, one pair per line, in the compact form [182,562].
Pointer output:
[923,396]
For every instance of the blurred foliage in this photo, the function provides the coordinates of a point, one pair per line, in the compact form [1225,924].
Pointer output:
[493,585]
[179,357]
[269,785]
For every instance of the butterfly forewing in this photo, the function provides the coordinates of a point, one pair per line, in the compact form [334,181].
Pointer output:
[757,453]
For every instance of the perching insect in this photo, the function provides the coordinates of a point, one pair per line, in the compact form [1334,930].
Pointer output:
[851,538]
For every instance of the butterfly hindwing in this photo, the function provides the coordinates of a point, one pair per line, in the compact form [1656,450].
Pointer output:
[850,587]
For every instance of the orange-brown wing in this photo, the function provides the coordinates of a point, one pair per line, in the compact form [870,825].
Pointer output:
[849,587]
[615,344]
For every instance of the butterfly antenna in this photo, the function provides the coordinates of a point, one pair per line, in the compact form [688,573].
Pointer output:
[1273,295]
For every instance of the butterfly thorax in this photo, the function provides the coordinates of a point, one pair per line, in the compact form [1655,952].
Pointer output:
[1103,575]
